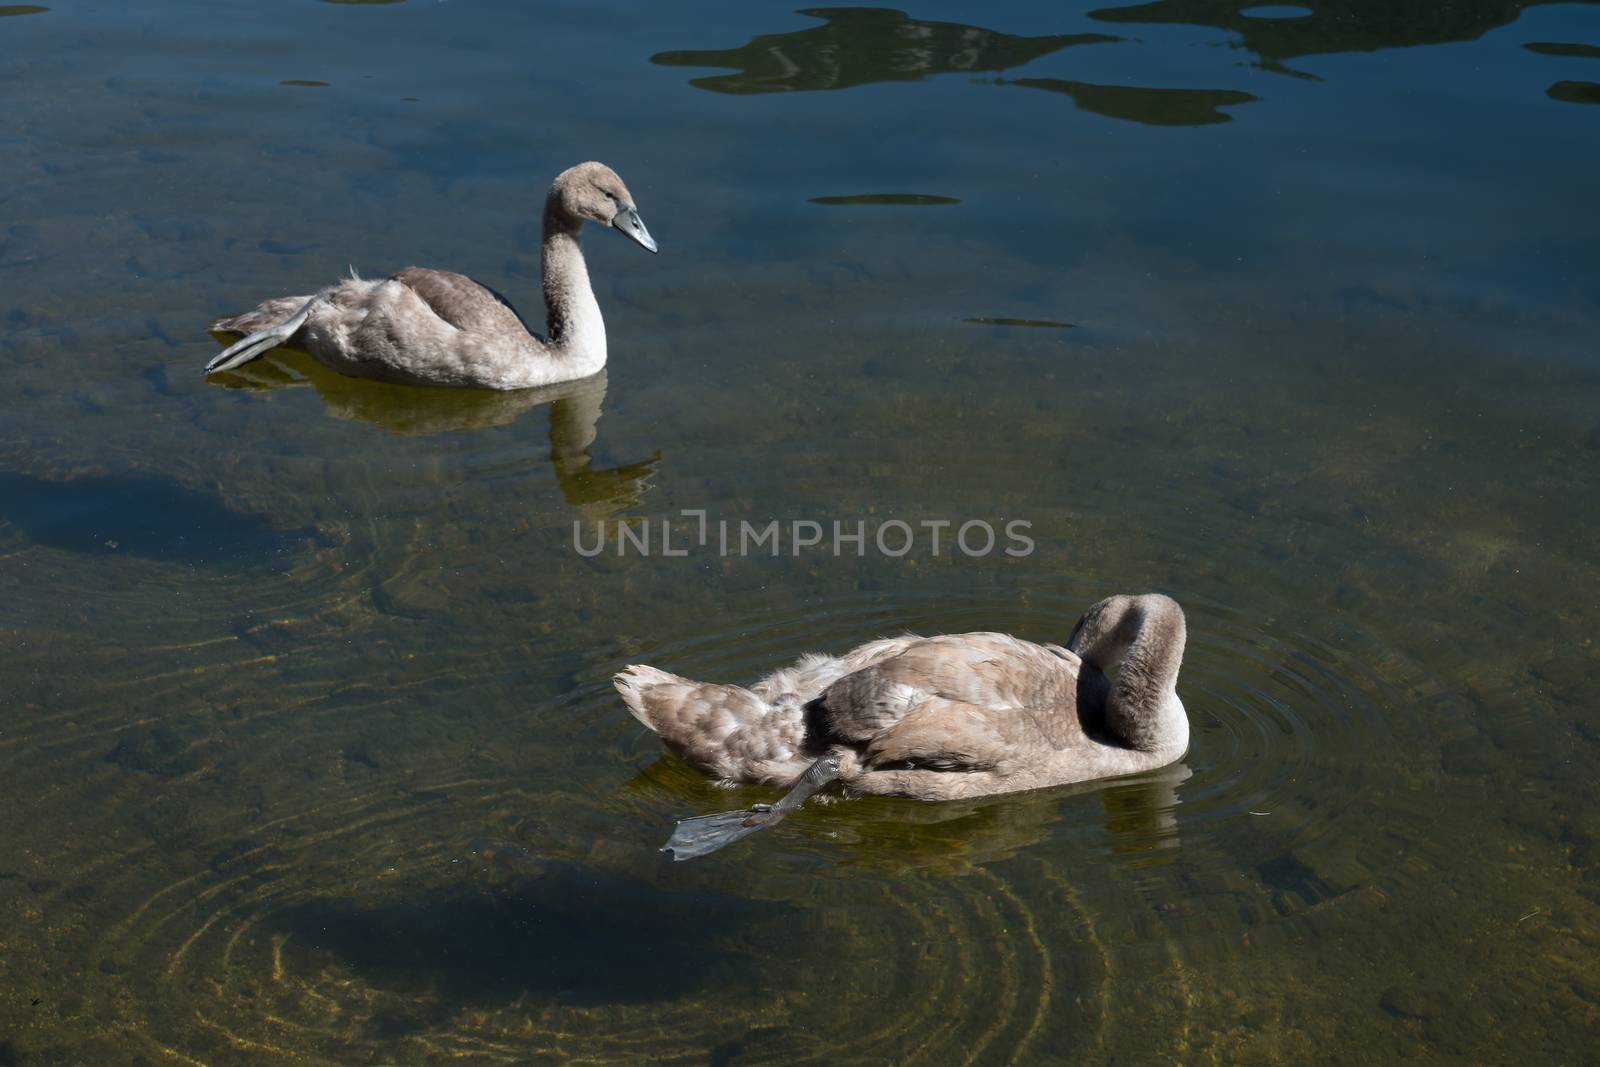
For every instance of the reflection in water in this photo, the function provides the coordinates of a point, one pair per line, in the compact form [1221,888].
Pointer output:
[1575,92]
[895,833]
[1276,11]
[413,410]
[861,46]
[21,9]
[1142,812]
[1153,107]
[574,415]
[1043,324]
[143,516]
[1569,92]
[911,199]
[1346,26]
[1554,48]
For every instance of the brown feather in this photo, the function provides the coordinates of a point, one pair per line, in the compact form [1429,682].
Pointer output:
[943,717]
[435,327]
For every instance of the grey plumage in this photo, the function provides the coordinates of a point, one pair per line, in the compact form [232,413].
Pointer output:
[945,717]
[434,327]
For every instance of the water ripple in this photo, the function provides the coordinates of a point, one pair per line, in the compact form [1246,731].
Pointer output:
[1289,727]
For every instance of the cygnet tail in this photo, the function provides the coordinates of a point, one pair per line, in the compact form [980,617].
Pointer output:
[266,314]
[725,731]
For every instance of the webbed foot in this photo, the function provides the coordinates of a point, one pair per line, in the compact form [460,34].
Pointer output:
[707,833]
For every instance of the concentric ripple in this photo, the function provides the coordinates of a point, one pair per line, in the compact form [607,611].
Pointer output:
[437,917]
[544,980]
[1294,735]
[457,859]
[344,879]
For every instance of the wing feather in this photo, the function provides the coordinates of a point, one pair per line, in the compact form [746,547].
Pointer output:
[460,301]
[962,701]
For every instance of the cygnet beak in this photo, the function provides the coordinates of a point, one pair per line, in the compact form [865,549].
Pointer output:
[627,220]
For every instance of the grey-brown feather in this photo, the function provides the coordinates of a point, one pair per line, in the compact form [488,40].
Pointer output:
[436,327]
[943,717]
[267,313]
[729,732]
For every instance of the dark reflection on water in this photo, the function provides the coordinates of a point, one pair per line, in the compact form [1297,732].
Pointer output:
[899,835]
[1142,813]
[1570,92]
[1152,107]
[861,46]
[142,516]
[21,9]
[1139,814]
[1045,324]
[574,409]
[1275,11]
[908,199]
[1576,51]
[1346,26]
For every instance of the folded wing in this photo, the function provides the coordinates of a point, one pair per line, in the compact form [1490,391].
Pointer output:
[959,702]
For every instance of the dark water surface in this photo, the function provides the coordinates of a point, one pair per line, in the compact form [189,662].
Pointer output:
[308,746]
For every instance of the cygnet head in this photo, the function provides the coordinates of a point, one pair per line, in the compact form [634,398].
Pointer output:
[1109,627]
[1101,622]
[593,192]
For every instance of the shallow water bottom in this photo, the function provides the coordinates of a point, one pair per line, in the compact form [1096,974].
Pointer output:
[310,750]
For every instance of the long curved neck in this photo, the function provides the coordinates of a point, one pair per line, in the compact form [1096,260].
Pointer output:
[577,332]
[1146,634]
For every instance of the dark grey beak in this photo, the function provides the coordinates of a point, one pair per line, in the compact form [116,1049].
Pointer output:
[627,220]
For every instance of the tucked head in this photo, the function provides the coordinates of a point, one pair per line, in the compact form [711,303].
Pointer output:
[1109,627]
[593,192]
[1102,621]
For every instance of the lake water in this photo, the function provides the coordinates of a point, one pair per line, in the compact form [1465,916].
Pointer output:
[309,749]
